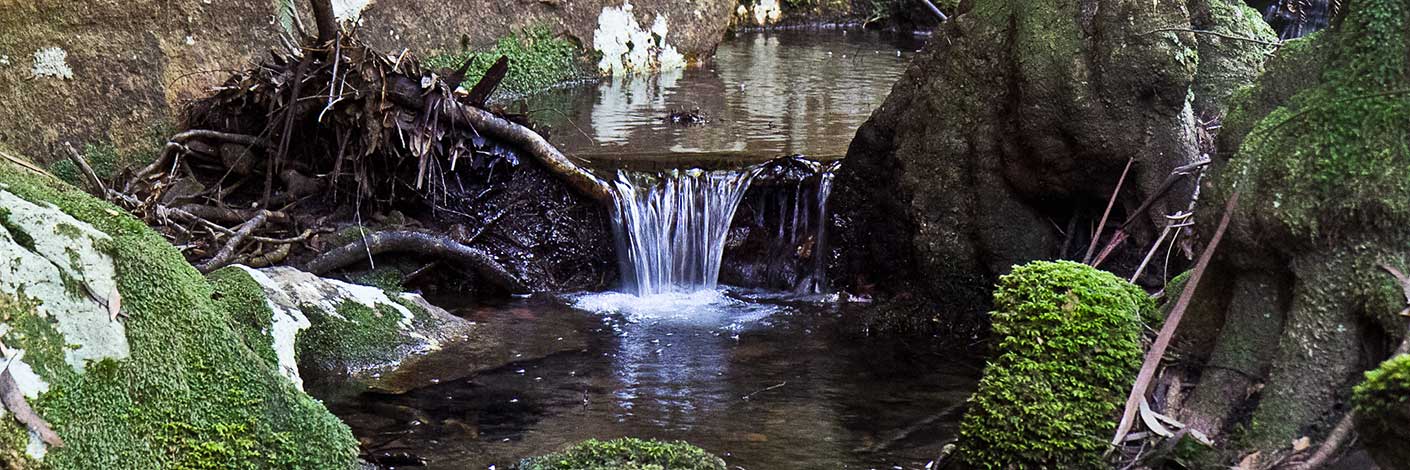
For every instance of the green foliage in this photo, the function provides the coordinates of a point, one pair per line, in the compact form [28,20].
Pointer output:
[1069,347]
[1332,159]
[192,394]
[537,60]
[626,454]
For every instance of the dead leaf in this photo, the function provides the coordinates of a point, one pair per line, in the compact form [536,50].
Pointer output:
[114,304]
[1302,443]
[1250,461]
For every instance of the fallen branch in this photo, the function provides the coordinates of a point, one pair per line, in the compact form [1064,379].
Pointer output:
[227,252]
[1097,235]
[14,401]
[230,216]
[1167,331]
[95,184]
[406,92]
[423,243]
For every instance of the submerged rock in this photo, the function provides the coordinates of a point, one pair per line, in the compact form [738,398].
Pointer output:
[118,344]
[626,454]
[1069,345]
[1005,139]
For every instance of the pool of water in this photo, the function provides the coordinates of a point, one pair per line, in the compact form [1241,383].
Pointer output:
[763,95]
[765,382]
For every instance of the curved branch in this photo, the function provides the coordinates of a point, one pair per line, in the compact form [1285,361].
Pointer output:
[406,92]
[482,262]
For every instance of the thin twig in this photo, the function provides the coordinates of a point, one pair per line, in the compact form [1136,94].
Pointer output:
[1162,341]
[756,392]
[1097,234]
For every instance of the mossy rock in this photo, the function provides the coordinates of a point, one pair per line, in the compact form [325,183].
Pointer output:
[190,393]
[1382,406]
[626,454]
[1069,345]
[537,60]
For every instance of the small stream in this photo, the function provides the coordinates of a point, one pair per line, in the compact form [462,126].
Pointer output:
[767,379]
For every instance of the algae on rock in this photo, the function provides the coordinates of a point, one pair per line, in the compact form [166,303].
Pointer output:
[1069,345]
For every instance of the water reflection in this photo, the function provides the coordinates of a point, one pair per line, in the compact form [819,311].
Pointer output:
[766,94]
[767,384]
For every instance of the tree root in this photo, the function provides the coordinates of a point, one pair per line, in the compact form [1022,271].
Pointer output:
[482,262]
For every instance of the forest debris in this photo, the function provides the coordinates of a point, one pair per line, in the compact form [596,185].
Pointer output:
[223,256]
[1097,235]
[1167,331]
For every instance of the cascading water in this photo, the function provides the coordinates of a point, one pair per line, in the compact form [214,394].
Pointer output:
[671,226]
[780,239]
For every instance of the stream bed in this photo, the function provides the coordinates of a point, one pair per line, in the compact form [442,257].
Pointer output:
[765,379]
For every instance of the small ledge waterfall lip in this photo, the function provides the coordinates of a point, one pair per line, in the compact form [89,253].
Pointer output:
[670,226]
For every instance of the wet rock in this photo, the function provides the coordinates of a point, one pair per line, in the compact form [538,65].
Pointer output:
[992,152]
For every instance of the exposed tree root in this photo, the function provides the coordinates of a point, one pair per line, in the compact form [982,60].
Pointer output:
[481,262]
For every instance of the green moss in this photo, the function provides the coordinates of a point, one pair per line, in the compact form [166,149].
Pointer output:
[626,454]
[1333,158]
[1382,406]
[243,299]
[16,232]
[538,59]
[362,335]
[386,278]
[1069,346]
[191,395]
[1225,65]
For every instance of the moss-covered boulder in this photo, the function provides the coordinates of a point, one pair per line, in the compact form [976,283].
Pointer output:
[1319,154]
[341,337]
[1069,346]
[626,454]
[119,344]
[1382,405]
[1006,137]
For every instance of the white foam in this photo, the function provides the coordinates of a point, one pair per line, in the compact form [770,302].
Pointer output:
[713,307]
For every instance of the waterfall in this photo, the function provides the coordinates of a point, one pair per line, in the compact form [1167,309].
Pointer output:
[670,226]
[814,281]
[793,212]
